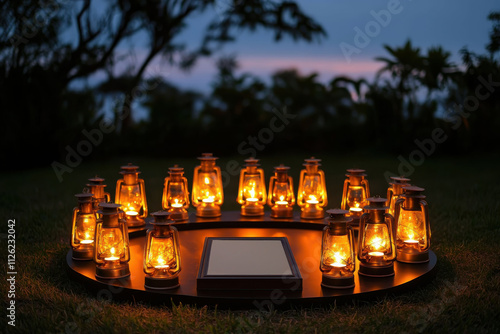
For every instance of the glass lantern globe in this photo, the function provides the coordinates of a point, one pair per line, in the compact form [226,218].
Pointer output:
[311,195]
[355,193]
[208,194]
[376,248]
[131,194]
[413,235]
[338,261]
[175,194]
[112,250]
[83,228]
[162,259]
[281,198]
[252,194]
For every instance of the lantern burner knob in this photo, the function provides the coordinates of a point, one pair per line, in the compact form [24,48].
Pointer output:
[376,203]
[281,168]
[162,218]
[250,162]
[84,197]
[354,171]
[338,215]
[96,181]
[207,157]
[400,179]
[413,190]
[129,169]
[312,161]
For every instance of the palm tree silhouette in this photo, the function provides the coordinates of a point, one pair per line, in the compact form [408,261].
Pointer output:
[438,70]
[406,69]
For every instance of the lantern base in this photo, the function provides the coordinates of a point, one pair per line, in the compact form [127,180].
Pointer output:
[134,221]
[312,213]
[209,211]
[412,256]
[281,212]
[178,215]
[161,283]
[376,271]
[252,210]
[337,282]
[83,254]
[112,271]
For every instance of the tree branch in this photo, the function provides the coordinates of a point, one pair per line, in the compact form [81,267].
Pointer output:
[85,7]
[87,69]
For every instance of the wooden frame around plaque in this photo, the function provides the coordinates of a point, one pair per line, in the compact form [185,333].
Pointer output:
[248,264]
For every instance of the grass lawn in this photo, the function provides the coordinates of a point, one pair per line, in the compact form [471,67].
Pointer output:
[463,195]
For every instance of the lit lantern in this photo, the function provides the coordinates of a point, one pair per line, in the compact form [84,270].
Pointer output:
[131,194]
[311,196]
[175,194]
[112,251]
[376,249]
[96,186]
[162,260]
[281,198]
[395,191]
[252,190]
[356,191]
[207,194]
[83,230]
[337,251]
[413,229]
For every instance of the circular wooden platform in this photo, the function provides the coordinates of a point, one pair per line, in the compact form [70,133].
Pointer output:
[305,240]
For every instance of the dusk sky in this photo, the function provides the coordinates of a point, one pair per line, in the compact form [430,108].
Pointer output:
[427,23]
[453,25]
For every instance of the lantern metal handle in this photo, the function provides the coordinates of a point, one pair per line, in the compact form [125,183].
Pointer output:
[73,223]
[117,193]
[424,207]
[142,188]
[390,193]
[393,229]
[366,185]
[126,243]
[343,206]
[164,195]
[362,221]
[96,250]
[323,186]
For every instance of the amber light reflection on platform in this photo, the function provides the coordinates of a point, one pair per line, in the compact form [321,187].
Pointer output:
[305,246]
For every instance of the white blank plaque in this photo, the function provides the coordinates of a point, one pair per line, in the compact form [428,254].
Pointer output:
[248,264]
[248,257]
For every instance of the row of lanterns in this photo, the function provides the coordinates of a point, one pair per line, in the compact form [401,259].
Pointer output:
[390,229]
[208,196]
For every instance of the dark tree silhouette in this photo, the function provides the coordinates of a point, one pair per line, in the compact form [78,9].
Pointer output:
[171,128]
[235,107]
[412,72]
[405,68]
[39,62]
[478,123]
